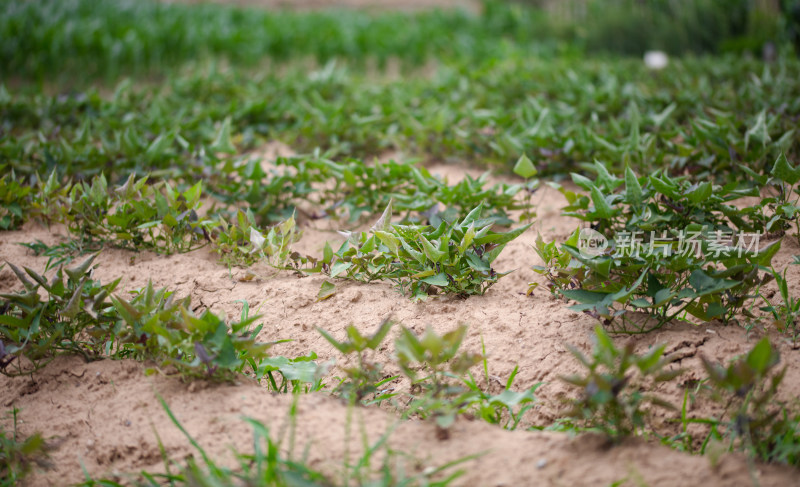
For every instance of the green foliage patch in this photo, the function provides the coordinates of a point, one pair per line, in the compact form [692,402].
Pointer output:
[613,387]
[72,313]
[670,248]
[442,386]
[454,258]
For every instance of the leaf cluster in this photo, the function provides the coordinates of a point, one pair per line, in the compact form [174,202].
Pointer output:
[442,385]
[136,215]
[783,207]
[351,188]
[156,326]
[73,314]
[571,110]
[454,258]
[241,243]
[363,378]
[754,419]
[671,247]
[14,200]
[612,386]
[65,314]
[18,455]
[786,313]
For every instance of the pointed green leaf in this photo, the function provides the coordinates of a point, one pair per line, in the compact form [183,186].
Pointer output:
[524,168]
[326,290]
[433,253]
[223,142]
[784,171]
[76,272]
[601,207]
[437,280]
[633,190]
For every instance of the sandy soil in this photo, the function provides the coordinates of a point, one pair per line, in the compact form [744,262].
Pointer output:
[104,413]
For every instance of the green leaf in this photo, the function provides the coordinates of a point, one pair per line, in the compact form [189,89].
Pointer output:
[758,131]
[344,347]
[501,238]
[227,358]
[663,296]
[511,399]
[389,240]
[158,147]
[192,195]
[524,168]
[21,276]
[340,266]
[326,290]
[784,171]
[128,312]
[223,142]
[651,359]
[303,371]
[604,341]
[760,179]
[416,255]
[76,272]
[633,190]
[761,357]
[73,306]
[765,255]
[601,207]
[659,118]
[472,216]
[170,221]
[581,181]
[477,263]
[437,280]
[665,187]
[604,178]
[705,284]
[376,339]
[356,338]
[384,223]
[466,241]
[433,253]
[699,193]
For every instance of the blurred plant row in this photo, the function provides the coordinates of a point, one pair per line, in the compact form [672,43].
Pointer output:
[702,118]
[89,38]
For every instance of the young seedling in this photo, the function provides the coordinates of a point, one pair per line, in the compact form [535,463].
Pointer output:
[612,398]
[57,254]
[72,318]
[366,376]
[669,250]
[154,325]
[455,258]
[785,207]
[14,200]
[18,456]
[242,243]
[525,169]
[785,315]
[754,419]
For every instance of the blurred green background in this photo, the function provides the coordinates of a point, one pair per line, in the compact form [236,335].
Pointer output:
[82,38]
